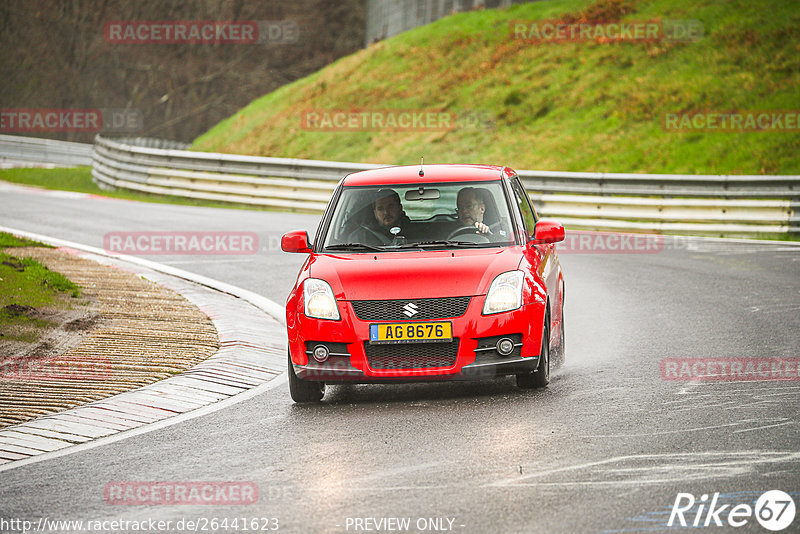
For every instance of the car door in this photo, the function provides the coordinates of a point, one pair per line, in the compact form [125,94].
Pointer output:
[545,260]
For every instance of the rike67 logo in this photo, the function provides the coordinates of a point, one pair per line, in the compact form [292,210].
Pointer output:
[774,510]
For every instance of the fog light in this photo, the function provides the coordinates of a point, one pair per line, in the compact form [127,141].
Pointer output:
[320,353]
[505,346]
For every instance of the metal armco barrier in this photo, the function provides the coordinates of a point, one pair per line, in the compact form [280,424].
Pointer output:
[18,150]
[696,204]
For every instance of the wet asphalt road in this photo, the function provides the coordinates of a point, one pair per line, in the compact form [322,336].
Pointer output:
[606,447]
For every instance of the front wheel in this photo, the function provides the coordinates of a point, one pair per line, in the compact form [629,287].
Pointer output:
[541,376]
[304,390]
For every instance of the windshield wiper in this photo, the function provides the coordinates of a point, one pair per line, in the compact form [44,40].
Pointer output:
[353,246]
[441,243]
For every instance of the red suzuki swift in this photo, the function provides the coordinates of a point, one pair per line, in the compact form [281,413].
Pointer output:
[426,273]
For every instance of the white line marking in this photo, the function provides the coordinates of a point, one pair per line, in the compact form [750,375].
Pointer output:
[266,305]
[678,465]
[199,412]
[695,429]
[763,427]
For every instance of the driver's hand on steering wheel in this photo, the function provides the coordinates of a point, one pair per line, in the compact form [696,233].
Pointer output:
[482,228]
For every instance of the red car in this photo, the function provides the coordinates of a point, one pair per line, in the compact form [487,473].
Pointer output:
[426,273]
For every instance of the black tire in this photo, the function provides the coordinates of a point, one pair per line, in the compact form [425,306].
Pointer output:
[541,376]
[304,390]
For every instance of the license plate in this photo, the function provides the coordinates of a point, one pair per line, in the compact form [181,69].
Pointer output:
[410,332]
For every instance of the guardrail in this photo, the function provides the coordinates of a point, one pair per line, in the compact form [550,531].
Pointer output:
[17,150]
[701,204]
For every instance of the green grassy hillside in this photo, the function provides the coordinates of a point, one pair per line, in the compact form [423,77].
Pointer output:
[555,106]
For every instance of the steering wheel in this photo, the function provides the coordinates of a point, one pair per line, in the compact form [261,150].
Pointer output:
[382,239]
[496,228]
[468,230]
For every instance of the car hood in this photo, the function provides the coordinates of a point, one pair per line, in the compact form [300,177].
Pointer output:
[412,275]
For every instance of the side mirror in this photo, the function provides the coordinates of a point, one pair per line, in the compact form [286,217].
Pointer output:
[547,232]
[296,241]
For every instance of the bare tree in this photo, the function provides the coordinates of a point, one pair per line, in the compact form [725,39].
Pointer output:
[55,55]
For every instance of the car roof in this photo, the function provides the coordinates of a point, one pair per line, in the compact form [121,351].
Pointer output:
[409,174]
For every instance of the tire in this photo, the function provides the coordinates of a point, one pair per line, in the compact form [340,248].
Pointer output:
[303,391]
[541,376]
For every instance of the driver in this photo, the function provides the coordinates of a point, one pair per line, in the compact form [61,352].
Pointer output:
[388,210]
[470,208]
[388,213]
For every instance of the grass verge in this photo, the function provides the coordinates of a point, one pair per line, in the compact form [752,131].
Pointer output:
[26,289]
[577,106]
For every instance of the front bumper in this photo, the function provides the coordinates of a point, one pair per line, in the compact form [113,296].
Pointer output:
[331,372]
[474,336]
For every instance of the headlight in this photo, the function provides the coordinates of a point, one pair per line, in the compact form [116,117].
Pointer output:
[318,299]
[505,293]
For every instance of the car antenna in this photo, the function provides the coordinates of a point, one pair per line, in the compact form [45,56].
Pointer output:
[421,172]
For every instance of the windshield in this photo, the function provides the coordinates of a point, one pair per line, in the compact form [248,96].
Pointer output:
[397,217]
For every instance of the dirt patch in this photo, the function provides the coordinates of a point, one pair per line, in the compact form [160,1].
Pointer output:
[47,330]
[83,324]
[16,310]
[61,331]
[602,11]
[14,264]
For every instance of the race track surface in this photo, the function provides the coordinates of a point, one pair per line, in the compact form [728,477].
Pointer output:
[607,447]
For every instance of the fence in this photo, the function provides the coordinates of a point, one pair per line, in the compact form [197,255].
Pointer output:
[17,150]
[386,18]
[699,204]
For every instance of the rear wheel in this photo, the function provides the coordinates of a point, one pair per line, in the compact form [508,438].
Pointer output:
[541,376]
[304,390]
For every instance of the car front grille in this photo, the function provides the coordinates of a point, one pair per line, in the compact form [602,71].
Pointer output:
[410,309]
[412,355]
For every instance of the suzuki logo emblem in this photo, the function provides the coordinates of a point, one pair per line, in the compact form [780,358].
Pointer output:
[410,309]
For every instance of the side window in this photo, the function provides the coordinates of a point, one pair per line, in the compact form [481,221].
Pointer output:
[528,216]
